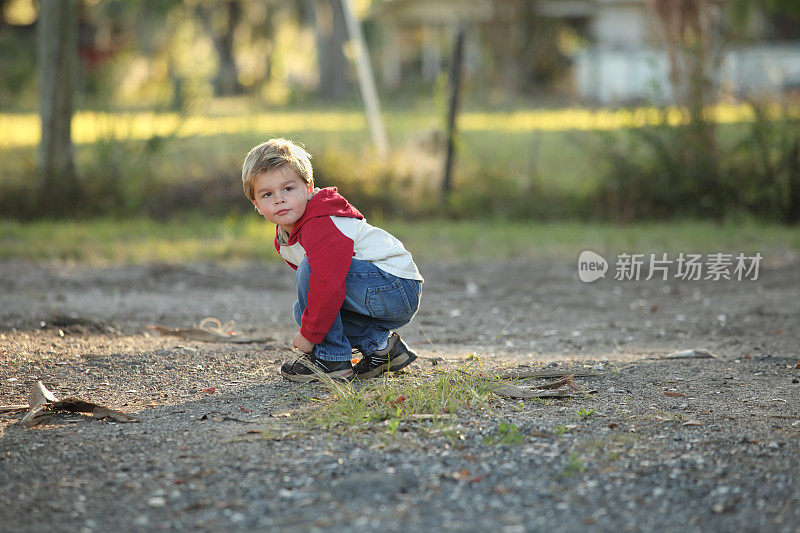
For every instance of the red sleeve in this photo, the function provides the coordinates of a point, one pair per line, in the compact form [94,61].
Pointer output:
[329,253]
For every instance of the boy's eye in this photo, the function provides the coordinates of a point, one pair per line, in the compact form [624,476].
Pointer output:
[289,188]
[266,194]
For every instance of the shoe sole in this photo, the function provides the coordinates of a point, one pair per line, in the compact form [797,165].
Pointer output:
[341,375]
[395,364]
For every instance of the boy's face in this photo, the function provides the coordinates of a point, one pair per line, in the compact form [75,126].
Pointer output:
[281,196]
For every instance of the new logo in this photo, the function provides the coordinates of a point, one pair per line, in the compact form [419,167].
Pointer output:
[591,266]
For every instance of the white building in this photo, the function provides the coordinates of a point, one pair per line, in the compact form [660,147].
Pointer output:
[626,60]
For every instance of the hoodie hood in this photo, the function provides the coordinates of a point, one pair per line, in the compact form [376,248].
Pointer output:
[326,202]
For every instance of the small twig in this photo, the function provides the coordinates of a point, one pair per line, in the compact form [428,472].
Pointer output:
[529,375]
[435,348]
[497,337]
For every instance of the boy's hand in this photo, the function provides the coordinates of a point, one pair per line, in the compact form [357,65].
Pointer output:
[302,344]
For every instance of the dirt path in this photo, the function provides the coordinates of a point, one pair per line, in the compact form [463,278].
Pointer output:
[709,444]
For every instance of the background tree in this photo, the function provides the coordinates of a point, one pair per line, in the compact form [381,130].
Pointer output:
[220,20]
[327,20]
[57,49]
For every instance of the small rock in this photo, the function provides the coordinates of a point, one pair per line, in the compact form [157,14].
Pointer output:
[371,483]
[157,501]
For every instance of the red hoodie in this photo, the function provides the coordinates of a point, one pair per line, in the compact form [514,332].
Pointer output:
[329,253]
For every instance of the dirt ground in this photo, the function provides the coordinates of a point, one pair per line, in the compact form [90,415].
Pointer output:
[706,444]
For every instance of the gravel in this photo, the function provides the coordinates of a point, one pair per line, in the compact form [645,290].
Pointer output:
[700,444]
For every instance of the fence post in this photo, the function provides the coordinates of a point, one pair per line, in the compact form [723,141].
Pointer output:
[452,112]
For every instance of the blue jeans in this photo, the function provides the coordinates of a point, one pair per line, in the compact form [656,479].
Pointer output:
[376,302]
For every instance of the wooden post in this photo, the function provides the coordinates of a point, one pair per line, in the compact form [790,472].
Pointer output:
[366,81]
[455,95]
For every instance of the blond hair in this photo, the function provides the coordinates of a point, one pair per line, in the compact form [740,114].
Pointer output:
[272,155]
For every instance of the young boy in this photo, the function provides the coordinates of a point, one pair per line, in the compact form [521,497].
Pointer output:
[355,282]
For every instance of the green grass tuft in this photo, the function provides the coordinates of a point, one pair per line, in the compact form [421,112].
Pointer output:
[438,396]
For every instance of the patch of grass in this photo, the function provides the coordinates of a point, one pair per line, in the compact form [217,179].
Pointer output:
[585,414]
[435,396]
[574,465]
[234,238]
[507,433]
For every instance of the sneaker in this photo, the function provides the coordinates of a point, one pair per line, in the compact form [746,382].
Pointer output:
[395,356]
[308,368]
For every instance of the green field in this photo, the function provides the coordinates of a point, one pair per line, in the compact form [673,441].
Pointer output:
[232,239]
[556,146]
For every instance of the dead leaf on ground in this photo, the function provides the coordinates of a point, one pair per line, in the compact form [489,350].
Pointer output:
[209,330]
[42,402]
[684,354]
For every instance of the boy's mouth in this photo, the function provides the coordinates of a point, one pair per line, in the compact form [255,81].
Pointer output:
[282,212]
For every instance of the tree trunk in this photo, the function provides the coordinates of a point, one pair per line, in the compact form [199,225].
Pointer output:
[331,34]
[58,50]
[226,82]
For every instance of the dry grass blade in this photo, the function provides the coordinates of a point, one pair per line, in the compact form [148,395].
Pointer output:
[14,408]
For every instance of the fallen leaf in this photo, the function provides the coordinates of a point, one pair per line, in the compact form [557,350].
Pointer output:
[398,401]
[685,354]
[210,390]
[205,335]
